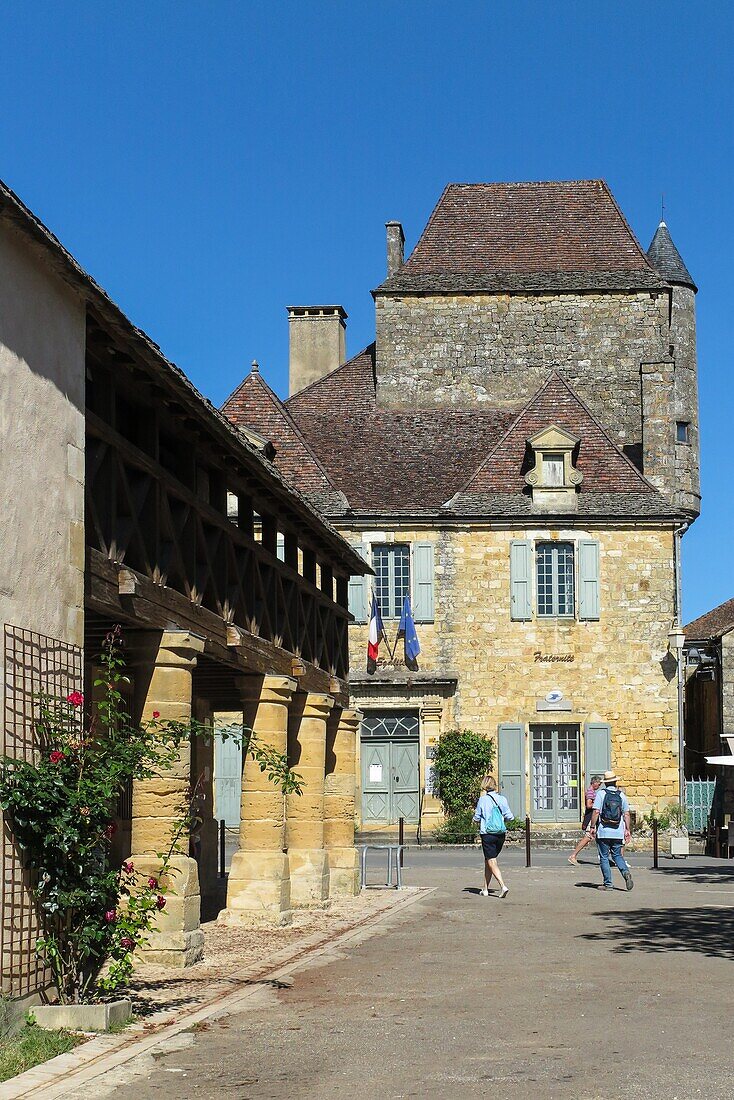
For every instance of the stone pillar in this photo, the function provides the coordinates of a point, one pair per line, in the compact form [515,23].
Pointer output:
[258,889]
[339,793]
[164,677]
[431,714]
[309,864]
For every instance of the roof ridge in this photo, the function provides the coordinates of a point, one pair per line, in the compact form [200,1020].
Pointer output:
[318,381]
[554,375]
[627,226]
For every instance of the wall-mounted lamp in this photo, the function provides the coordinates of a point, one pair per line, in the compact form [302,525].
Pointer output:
[676,638]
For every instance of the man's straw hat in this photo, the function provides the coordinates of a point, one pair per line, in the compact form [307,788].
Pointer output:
[610,777]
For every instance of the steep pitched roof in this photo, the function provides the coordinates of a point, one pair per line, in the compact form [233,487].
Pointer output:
[254,406]
[611,483]
[531,237]
[718,621]
[665,258]
[385,461]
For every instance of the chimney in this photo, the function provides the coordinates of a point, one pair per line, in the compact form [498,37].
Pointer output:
[395,247]
[317,343]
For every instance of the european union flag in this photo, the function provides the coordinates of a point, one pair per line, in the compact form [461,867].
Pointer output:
[406,631]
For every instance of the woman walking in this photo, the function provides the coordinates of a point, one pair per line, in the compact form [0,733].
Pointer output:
[492,812]
[589,797]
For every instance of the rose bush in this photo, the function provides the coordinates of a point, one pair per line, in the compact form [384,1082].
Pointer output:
[60,806]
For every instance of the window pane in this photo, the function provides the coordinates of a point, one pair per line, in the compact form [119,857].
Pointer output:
[396,723]
[545,578]
[392,578]
[565,578]
[401,559]
[381,566]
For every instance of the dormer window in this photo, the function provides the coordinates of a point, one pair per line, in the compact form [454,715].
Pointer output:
[553,478]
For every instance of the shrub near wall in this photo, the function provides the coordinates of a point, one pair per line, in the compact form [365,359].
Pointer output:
[462,759]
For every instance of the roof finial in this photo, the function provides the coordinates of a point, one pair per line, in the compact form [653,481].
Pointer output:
[255,367]
[662,208]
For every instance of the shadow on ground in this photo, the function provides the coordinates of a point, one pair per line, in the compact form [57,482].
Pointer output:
[146,1004]
[708,930]
[722,875]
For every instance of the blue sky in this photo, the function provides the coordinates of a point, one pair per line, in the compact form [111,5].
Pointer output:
[210,163]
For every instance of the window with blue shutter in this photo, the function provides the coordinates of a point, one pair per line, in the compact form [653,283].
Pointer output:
[521,603]
[423,594]
[358,590]
[588,579]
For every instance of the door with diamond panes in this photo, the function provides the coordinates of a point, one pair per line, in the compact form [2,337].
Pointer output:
[389,751]
[554,752]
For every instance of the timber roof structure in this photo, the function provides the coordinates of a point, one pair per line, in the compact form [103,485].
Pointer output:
[514,238]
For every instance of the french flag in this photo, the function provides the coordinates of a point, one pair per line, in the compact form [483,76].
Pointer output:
[375,635]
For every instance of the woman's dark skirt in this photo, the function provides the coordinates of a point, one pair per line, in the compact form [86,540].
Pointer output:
[492,844]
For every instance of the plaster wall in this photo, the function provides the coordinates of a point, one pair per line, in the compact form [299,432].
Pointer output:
[620,672]
[42,343]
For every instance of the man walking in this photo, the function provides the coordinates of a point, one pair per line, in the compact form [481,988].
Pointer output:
[610,822]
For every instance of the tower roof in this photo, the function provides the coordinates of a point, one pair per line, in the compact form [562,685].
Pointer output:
[666,258]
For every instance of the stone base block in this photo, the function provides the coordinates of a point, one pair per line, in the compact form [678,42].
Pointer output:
[343,872]
[100,1017]
[258,889]
[174,949]
[309,878]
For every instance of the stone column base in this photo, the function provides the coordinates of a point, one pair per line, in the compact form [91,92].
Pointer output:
[309,878]
[177,940]
[343,872]
[258,889]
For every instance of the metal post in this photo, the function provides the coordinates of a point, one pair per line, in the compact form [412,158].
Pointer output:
[527,842]
[222,852]
[401,837]
[655,843]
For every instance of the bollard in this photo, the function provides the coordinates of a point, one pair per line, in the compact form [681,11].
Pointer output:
[222,855]
[401,837]
[527,842]
[655,843]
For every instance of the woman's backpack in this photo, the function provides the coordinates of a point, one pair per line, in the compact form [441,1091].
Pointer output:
[495,823]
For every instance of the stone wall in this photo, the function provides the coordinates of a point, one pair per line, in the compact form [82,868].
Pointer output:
[42,344]
[727,684]
[621,672]
[468,349]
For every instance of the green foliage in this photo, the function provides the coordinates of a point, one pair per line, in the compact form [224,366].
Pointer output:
[61,807]
[462,759]
[670,817]
[515,824]
[457,828]
[31,1046]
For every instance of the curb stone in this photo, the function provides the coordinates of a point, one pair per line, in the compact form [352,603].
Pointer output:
[63,1075]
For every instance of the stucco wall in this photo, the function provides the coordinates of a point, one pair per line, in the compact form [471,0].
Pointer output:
[42,339]
[621,672]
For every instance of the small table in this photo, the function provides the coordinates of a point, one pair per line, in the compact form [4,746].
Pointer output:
[394,852]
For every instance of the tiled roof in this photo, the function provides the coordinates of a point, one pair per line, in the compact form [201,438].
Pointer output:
[713,624]
[525,237]
[255,406]
[386,461]
[666,258]
[604,467]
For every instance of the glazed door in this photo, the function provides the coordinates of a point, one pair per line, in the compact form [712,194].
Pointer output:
[555,773]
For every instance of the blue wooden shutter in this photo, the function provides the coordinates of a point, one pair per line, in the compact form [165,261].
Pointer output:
[521,603]
[511,766]
[423,582]
[358,590]
[598,749]
[588,579]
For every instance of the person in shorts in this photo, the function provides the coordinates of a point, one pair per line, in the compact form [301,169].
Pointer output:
[589,797]
[492,812]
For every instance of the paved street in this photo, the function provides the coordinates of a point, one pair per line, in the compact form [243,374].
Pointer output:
[560,991]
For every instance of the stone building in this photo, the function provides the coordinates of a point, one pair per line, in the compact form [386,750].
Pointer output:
[518,453]
[128,498]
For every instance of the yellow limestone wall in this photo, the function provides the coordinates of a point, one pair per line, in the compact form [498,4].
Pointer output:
[621,672]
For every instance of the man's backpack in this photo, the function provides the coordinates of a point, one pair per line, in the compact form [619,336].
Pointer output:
[611,811]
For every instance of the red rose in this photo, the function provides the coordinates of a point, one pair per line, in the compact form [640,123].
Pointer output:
[160,902]
[56,757]
[75,698]
[152,882]
[156,714]
[111,916]
[110,830]
[127,943]
[128,867]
